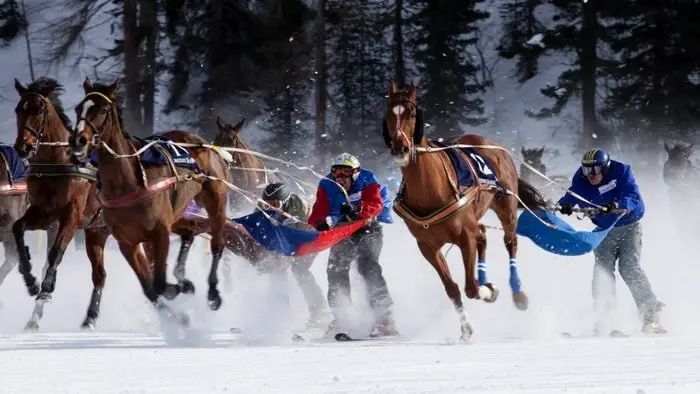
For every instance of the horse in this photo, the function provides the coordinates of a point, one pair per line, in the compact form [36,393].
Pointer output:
[682,178]
[59,190]
[247,171]
[533,159]
[144,195]
[13,203]
[442,203]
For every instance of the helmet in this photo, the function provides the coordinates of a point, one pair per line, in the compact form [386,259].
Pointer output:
[345,164]
[595,161]
[346,160]
[276,192]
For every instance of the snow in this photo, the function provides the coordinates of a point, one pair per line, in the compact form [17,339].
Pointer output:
[511,351]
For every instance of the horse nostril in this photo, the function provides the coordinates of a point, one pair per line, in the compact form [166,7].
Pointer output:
[82,141]
[404,150]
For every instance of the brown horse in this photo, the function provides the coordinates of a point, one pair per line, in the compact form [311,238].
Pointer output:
[59,190]
[437,210]
[247,171]
[13,204]
[142,203]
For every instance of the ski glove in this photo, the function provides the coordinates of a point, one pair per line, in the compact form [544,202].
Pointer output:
[566,209]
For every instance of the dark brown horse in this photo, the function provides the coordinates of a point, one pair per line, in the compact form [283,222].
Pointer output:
[13,204]
[437,210]
[60,190]
[141,204]
[682,179]
[534,159]
[247,171]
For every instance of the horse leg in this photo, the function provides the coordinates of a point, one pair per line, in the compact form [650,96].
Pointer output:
[482,278]
[51,234]
[186,230]
[32,219]
[160,246]
[505,210]
[437,260]
[136,257]
[215,204]
[68,222]
[11,259]
[95,239]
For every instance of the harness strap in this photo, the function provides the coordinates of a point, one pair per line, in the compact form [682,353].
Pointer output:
[39,170]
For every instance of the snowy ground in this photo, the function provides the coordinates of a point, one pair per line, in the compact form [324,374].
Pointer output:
[512,351]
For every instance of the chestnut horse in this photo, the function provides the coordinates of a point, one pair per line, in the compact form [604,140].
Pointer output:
[142,204]
[437,212]
[59,190]
[13,204]
[247,171]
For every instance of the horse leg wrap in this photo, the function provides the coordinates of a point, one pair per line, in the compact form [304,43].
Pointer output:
[179,272]
[481,273]
[515,284]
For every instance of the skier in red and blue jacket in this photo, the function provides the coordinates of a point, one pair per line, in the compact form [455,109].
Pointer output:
[350,193]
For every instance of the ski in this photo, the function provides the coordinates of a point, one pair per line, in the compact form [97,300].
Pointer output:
[612,334]
[344,337]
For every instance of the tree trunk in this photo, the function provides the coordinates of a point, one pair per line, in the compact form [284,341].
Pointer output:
[131,67]
[589,57]
[149,27]
[400,67]
[321,75]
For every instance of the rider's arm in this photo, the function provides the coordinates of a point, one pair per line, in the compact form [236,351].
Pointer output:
[320,209]
[371,203]
[628,191]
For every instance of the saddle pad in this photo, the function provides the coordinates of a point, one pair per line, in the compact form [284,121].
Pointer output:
[482,167]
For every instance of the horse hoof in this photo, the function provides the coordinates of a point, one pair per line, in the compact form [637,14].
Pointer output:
[492,295]
[31,326]
[215,304]
[187,286]
[33,289]
[171,291]
[88,325]
[520,300]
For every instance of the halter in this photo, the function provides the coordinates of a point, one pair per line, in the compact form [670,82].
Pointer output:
[97,136]
[38,134]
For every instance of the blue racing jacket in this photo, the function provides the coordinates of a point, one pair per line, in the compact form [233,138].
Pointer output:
[618,186]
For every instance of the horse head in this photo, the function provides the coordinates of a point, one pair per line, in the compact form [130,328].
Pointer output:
[403,123]
[40,115]
[97,113]
[679,154]
[227,134]
[533,157]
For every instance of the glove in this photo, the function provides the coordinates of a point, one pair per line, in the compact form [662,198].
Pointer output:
[609,206]
[322,226]
[349,211]
[566,209]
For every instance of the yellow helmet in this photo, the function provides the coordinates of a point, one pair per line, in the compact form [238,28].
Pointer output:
[346,160]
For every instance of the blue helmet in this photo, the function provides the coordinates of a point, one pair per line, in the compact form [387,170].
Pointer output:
[595,161]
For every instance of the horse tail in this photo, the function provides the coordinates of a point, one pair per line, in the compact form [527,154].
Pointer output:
[530,196]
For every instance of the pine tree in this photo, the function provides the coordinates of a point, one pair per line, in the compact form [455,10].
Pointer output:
[13,22]
[653,68]
[359,71]
[523,36]
[448,73]
[576,33]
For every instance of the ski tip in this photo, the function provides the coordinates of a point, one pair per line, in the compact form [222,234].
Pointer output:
[236,330]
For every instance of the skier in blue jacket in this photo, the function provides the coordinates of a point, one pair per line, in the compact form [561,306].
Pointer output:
[611,184]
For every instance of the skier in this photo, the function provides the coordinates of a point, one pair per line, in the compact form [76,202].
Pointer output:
[278,197]
[610,184]
[349,193]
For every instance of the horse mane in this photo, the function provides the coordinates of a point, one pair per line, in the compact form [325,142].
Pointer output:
[118,103]
[43,84]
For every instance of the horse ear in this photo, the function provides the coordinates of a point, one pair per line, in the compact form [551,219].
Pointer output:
[542,151]
[392,87]
[219,124]
[667,148]
[87,85]
[412,91]
[112,89]
[523,152]
[21,89]
[238,127]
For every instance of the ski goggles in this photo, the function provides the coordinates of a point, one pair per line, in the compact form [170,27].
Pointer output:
[591,170]
[341,172]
